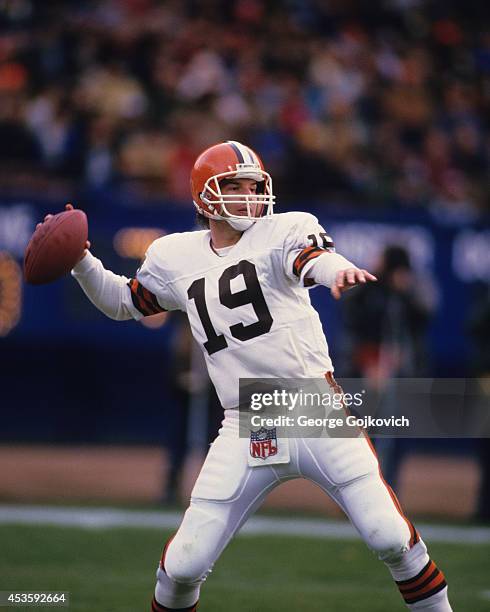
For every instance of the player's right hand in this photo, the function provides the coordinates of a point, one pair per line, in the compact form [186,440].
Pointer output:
[68,207]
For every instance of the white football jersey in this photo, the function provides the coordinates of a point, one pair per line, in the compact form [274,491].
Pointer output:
[249,310]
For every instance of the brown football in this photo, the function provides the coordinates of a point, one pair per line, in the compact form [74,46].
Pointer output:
[55,247]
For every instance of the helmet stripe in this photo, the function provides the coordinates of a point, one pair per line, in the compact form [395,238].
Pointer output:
[253,157]
[238,153]
[247,156]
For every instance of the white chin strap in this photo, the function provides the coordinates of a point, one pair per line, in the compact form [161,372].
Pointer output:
[240,224]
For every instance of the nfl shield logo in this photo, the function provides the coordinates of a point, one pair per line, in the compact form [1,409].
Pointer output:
[263,443]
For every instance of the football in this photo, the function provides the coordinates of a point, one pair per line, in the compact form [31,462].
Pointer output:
[55,247]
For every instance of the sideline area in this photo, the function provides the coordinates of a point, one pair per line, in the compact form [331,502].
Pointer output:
[103,518]
[442,487]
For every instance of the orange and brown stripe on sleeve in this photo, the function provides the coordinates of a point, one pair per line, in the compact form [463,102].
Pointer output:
[143,300]
[304,257]
[429,581]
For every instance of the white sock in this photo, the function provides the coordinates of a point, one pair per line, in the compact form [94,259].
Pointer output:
[417,577]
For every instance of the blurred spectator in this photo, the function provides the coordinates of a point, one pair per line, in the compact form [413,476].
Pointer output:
[388,106]
[386,324]
[18,146]
[387,320]
[98,170]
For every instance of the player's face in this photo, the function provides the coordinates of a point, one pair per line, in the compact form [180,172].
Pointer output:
[241,187]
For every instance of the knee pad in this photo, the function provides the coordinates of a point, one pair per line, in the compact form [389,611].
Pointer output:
[389,537]
[377,517]
[191,554]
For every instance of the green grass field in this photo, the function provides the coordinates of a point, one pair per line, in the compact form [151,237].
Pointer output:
[109,570]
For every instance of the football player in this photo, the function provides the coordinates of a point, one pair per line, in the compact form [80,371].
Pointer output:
[243,282]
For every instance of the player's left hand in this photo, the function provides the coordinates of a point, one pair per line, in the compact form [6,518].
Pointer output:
[346,279]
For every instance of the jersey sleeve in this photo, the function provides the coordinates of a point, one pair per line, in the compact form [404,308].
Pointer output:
[305,242]
[107,291]
[151,290]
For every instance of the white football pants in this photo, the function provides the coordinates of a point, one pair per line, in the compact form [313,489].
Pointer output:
[228,491]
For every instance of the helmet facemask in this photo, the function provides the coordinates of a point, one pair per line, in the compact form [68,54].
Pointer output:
[259,205]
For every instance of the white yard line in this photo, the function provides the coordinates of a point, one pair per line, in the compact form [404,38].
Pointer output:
[97,518]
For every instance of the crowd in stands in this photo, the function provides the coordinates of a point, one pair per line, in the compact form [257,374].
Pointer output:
[382,103]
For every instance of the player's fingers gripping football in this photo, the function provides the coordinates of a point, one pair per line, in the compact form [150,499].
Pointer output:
[67,207]
[88,243]
[49,215]
[46,218]
[345,279]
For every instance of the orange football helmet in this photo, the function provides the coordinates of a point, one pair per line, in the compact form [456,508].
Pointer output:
[228,160]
